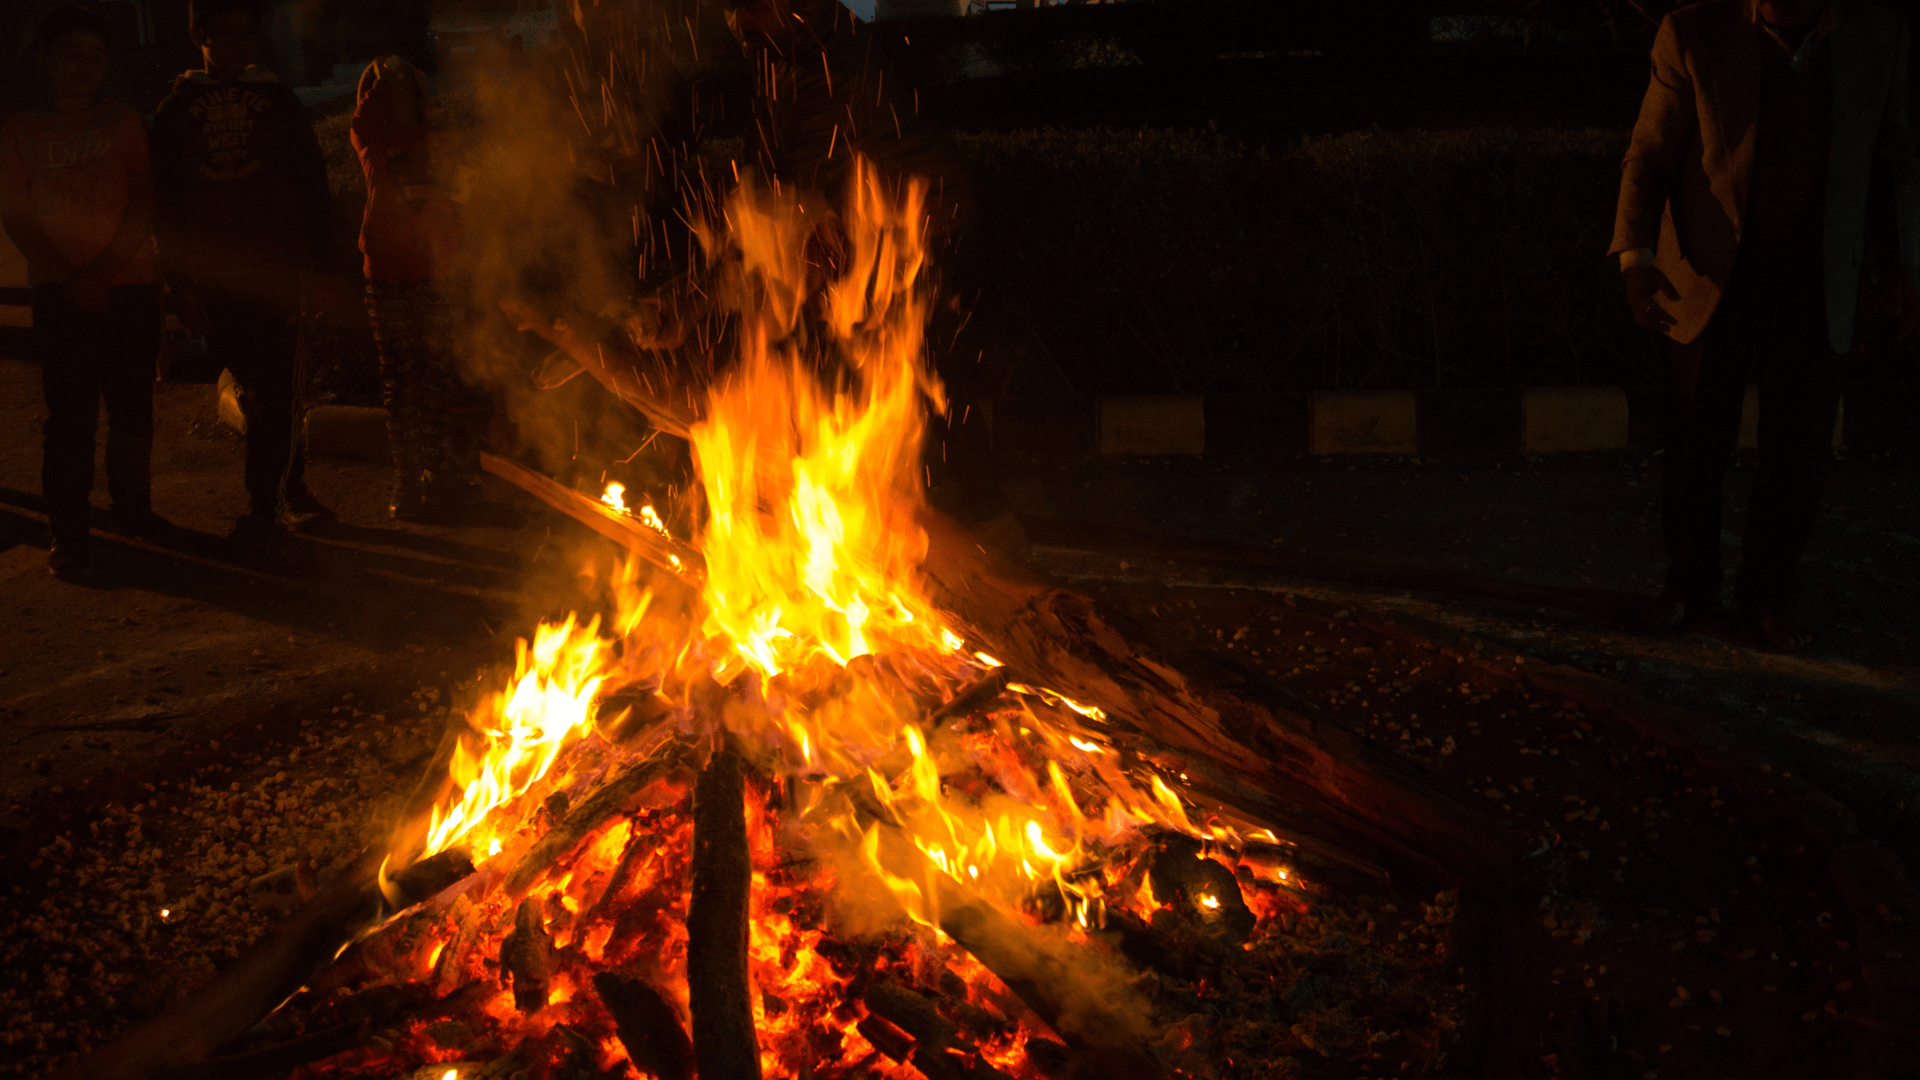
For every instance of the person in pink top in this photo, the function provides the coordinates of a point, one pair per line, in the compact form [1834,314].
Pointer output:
[408,237]
[76,198]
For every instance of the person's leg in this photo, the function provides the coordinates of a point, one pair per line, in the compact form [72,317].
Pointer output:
[133,325]
[72,393]
[257,342]
[1707,383]
[1799,380]
[397,338]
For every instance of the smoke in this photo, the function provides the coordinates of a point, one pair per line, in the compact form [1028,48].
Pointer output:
[577,173]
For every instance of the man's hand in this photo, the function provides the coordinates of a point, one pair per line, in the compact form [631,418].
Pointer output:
[327,296]
[190,308]
[1903,303]
[86,289]
[1643,284]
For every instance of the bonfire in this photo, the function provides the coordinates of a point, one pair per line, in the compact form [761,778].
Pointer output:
[784,813]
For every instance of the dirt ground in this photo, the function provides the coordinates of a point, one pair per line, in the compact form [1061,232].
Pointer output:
[191,672]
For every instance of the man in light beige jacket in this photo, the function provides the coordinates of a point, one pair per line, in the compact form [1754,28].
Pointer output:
[1771,158]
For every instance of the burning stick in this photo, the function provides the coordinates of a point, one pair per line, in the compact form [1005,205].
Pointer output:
[662,551]
[724,1044]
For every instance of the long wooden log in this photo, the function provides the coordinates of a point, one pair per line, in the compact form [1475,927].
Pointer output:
[269,974]
[649,544]
[647,1025]
[718,988]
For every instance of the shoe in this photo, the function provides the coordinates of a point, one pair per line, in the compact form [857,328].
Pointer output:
[67,558]
[305,513]
[405,500]
[256,534]
[144,525]
[1663,614]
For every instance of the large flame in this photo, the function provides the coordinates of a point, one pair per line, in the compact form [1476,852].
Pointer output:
[809,476]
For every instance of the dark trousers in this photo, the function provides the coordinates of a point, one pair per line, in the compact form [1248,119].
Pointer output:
[87,358]
[259,341]
[1770,330]
[412,328]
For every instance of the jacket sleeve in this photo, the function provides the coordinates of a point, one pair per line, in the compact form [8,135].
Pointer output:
[1660,138]
[1899,159]
[166,151]
[315,194]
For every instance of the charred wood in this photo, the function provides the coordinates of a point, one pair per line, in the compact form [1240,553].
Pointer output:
[648,1026]
[972,697]
[275,1060]
[724,1043]
[526,958]
[575,825]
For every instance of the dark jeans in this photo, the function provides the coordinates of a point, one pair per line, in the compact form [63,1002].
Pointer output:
[259,342]
[1774,335]
[86,358]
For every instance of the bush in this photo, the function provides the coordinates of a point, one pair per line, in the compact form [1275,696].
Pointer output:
[1156,261]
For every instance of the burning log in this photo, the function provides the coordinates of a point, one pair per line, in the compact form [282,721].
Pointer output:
[719,991]
[648,1026]
[972,698]
[937,1049]
[271,973]
[605,803]
[651,545]
[526,958]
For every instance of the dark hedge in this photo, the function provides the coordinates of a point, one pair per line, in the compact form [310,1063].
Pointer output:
[1155,261]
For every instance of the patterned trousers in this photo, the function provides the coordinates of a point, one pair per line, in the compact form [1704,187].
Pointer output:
[412,329]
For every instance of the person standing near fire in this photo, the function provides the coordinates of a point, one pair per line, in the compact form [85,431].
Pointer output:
[409,236]
[244,220]
[76,197]
[1771,164]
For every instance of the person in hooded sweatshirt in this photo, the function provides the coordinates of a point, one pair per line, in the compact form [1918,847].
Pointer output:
[243,218]
[408,237]
[76,198]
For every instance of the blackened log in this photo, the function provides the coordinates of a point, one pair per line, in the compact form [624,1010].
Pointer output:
[886,1038]
[725,1046]
[972,698]
[526,958]
[938,1051]
[605,803]
[276,1060]
[648,1026]
[270,973]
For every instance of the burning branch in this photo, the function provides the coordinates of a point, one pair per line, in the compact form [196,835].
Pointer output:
[721,995]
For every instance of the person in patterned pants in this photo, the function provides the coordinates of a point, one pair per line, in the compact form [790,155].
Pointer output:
[408,237]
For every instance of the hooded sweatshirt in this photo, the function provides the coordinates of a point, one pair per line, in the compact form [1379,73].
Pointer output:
[241,203]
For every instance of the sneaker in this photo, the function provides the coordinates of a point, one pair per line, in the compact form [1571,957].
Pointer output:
[255,533]
[66,558]
[144,525]
[307,514]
